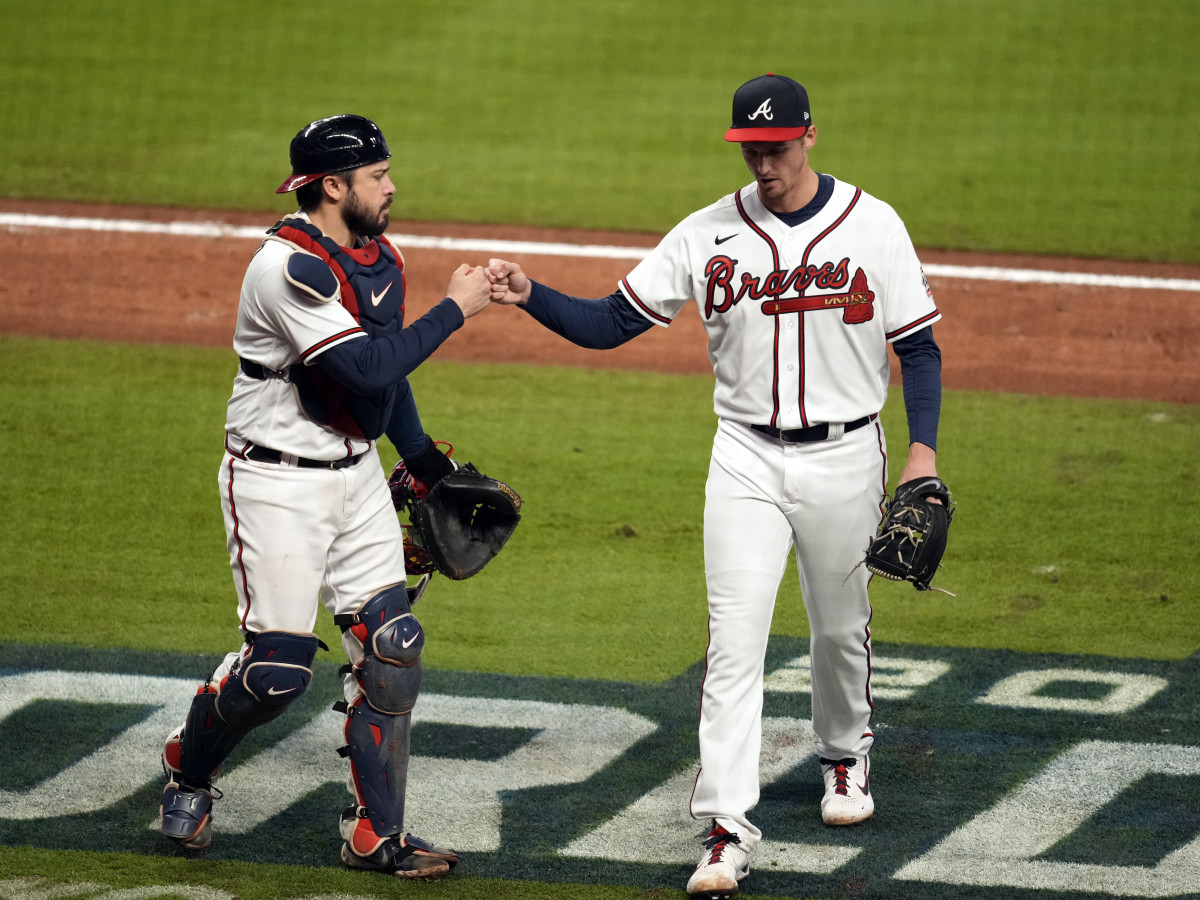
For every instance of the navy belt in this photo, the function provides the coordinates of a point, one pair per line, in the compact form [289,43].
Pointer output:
[267,455]
[807,435]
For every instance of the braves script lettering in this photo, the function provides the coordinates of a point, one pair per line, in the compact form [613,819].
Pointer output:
[722,273]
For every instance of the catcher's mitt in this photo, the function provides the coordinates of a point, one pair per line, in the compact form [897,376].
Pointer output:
[457,526]
[911,538]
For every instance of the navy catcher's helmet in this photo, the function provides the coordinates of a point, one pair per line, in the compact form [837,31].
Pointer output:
[335,144]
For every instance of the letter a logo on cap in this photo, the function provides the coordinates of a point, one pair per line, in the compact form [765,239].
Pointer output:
[764,110]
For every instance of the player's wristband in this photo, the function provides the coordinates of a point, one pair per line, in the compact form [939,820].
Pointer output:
[430,465]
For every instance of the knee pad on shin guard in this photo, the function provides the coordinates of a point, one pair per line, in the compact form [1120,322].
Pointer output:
[270,677]
[377,744]
[389,674]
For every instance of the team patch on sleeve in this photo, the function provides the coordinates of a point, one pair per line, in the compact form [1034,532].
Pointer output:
[312,275]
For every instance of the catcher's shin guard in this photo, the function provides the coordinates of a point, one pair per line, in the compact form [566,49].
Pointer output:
[377,744]
[378,723]
[271,676]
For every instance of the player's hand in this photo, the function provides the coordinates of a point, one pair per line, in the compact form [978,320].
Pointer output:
[922,463]
[509,283]
[470,289]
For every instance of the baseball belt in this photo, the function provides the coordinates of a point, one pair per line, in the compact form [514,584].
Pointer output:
[267,455]
[808,435]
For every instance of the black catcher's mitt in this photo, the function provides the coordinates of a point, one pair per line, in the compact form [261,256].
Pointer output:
[911,539]
[459,525]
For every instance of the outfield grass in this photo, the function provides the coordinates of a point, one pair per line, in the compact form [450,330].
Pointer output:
[48,870]
[1064,126]
[1075,531]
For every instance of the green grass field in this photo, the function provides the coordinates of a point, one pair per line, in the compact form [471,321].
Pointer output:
[1062,127]
[1071,536]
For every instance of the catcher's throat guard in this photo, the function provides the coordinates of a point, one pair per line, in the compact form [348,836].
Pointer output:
[911,538]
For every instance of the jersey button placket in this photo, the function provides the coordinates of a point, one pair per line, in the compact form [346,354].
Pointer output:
[791,333]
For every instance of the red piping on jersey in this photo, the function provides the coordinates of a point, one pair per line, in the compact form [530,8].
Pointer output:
[632,295]
[737,198]
[321,345]
[237,537]
[882,498]
[700,714]
[912,326]
[867,647]
[804,423]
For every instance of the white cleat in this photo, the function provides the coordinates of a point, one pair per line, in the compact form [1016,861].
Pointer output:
[847,799]
[722,865]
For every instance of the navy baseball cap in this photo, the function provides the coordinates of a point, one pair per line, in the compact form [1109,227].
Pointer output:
[769,108]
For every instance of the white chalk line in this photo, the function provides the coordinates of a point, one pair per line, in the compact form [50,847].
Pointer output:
[534,248]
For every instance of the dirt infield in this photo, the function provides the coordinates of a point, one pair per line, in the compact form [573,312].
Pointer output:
[997,336]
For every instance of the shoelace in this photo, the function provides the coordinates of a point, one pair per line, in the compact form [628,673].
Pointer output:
[841,770]
[716,843]
[186,787]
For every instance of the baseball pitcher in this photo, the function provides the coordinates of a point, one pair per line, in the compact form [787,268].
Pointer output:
[802,282]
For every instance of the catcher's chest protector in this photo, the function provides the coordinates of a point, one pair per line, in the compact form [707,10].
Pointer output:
[370,278]
[371,286]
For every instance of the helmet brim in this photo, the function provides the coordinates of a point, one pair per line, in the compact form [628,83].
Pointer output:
[298,181]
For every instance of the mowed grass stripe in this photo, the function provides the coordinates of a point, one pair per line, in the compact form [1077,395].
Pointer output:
[1075,530]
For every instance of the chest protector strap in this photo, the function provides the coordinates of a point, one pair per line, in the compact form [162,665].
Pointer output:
[369,282]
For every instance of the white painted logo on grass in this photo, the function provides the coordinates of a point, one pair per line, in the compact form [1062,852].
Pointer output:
[1128,691]
[892,677]
[1001,846]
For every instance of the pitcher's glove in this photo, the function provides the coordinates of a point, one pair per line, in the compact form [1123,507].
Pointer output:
[911,539]
[459,525]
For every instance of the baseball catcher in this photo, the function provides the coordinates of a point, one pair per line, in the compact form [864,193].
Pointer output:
[911,538]
[459,525]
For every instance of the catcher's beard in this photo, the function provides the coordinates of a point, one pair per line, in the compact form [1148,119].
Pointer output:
[362,221]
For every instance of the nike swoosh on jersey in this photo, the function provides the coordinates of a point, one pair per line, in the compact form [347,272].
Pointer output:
[721,240]
[375,301]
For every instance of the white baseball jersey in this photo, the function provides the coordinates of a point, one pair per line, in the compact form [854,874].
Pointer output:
[798,318]
[280,325]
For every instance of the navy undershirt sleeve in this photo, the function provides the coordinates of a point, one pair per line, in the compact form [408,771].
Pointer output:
[369,365]
[921,374]
[404,428]
[599,324]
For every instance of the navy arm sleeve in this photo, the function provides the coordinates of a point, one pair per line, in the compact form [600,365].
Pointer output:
[368,365]
[921,374]
[404,428]
[421,455]
[596,324]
